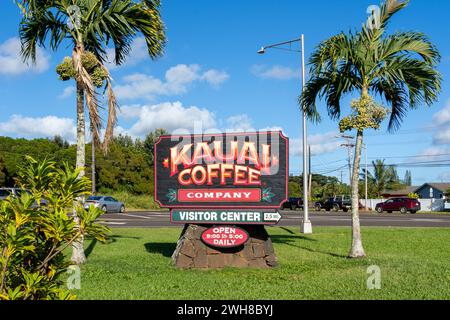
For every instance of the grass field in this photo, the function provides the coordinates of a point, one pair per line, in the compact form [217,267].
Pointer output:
[415,264]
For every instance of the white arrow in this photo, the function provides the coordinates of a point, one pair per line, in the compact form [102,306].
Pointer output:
[272,216]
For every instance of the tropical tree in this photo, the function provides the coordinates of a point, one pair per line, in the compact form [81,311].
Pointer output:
[90,26]
[408,178]
[33,238]
[384,177]
[399,68]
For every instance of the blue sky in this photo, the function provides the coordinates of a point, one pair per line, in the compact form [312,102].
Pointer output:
[211,72]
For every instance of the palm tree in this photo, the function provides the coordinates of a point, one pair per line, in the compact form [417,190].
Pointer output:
[90,26]
[399,68]
[384,177]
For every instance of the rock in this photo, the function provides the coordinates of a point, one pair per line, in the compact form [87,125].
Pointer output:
[239,262]
[268,247]
[201,261]
[188,249]
[271,260]
[183,261]
[258,263]
[258,250]
[216,261]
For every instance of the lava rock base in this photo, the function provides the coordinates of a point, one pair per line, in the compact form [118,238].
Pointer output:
[192,252]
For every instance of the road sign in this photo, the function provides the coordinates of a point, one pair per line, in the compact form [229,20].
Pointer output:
[214,216]
[225,170]
[225,236]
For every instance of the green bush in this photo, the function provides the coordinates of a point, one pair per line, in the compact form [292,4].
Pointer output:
[33,237]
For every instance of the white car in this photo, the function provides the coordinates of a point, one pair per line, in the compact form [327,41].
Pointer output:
[107,204]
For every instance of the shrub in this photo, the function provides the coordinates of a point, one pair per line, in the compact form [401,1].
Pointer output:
[33,236]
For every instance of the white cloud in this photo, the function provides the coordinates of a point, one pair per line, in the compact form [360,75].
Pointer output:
[11,62]
[170,116]
[67,92]
[49,126]
[276,72]
[130,111]
[443,116]
[182,74]
[239,123]
[215,77]
[137,54]
[320,144]
[442,136]
[177,80]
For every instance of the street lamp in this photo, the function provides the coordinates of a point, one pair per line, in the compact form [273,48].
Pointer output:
[306,226]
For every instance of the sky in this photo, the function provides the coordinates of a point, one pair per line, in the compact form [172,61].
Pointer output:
[211,78]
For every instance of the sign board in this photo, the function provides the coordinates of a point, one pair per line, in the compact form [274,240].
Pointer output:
[222,171]
[224,236]
[213,216]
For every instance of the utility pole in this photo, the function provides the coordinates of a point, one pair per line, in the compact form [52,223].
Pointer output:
[349,145]
[310,171]
[93,166]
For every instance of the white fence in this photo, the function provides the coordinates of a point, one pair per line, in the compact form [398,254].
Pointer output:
[427,205]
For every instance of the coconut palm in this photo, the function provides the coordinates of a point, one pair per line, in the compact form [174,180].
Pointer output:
[399,68]
[90,26]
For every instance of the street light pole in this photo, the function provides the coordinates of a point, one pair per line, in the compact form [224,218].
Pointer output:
[365,177]
[306,226]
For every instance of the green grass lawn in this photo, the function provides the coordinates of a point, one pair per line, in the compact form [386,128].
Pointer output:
[415,264]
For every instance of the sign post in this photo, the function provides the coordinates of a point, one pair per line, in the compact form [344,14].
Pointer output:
[221,181]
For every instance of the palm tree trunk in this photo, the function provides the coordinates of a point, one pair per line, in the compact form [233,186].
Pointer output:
[78,256]
[357,250]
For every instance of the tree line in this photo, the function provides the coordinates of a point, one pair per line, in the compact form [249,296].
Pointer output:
[128,165]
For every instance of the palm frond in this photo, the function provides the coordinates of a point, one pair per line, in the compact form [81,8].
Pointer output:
[409,43]
[112,115]
[42,28]
[390,8]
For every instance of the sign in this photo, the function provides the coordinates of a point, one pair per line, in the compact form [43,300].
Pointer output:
[222,171]
[224,236]
[224,217]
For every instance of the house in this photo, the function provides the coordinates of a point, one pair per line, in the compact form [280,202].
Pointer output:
[433,190]
[399,193]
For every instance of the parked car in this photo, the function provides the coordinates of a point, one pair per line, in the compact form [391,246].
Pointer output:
[403,205]
[338,203]
[106,203]
[293,204]
[17,192]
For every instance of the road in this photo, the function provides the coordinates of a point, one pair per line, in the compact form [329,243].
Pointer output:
[290,218]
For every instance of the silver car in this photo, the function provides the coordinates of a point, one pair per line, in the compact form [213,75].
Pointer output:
[106,203]
[17,192]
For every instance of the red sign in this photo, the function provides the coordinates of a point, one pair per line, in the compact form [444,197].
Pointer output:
[226,171]
[224,236]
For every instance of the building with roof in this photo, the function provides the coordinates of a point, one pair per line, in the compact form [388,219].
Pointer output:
[433,190]
[399,193]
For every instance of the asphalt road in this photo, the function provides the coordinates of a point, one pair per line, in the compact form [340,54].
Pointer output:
[290,218]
